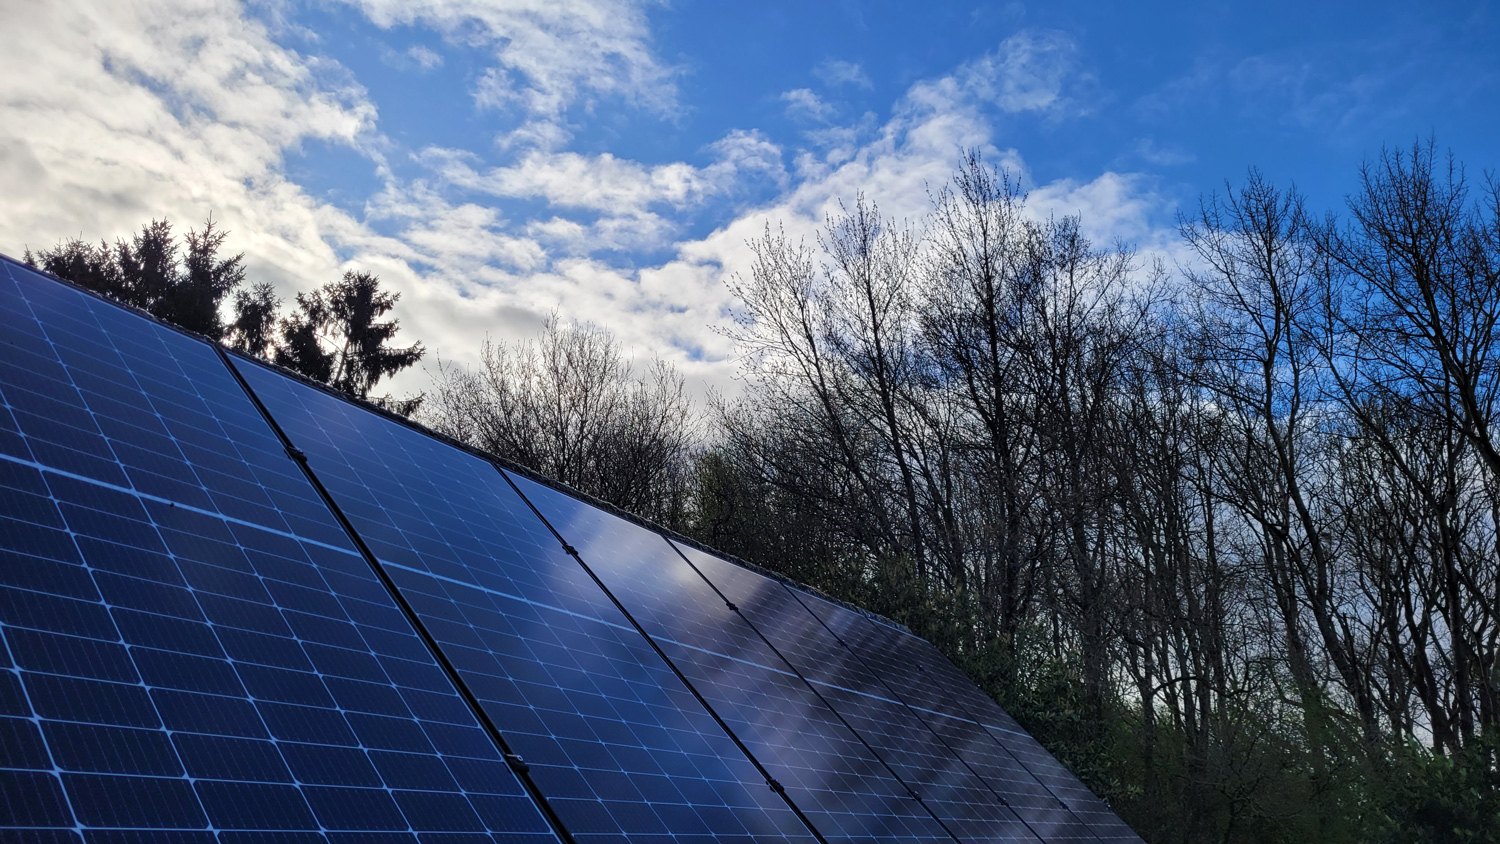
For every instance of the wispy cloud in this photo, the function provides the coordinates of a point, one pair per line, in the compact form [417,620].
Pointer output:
[1032,71]
[1334,89]
[549,57]
[805,106]
[1151,152]
[836,73]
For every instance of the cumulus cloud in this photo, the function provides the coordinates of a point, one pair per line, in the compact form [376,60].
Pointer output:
[626,198]
[112,113]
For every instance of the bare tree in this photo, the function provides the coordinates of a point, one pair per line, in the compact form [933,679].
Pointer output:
[570,406]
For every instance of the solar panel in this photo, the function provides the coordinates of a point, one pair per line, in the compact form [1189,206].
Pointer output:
[878,649]
[966,803]
[825,768]
[195,647]
[192,649]
[620,746]
[1035,784]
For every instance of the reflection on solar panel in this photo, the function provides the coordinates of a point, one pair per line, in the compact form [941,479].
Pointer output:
[191,643]
[827,770]
[235,607]
[1042,791]
[614,739]
[964,802]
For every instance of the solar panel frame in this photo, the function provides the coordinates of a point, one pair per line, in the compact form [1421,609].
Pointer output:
[187,632]
[742,677]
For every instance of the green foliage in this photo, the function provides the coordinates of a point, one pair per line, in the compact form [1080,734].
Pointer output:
[1431,797]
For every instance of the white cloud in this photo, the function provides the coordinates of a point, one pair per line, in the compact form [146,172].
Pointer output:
[550,54]
[803,105]
[113,113]
[836,72]
[626,199]
[1031,71]
[425,58]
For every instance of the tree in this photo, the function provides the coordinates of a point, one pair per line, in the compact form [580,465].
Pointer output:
[256,313]
[86,265]
[149,272]
[570,406]
[336,335]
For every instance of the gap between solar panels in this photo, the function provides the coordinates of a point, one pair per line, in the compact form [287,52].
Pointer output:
[948,742]
[446,525]
[969,804]
[844,784]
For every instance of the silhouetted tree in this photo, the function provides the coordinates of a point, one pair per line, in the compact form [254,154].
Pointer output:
[256,313]
[336,335]
[149,272]
[570,406]
[84,264]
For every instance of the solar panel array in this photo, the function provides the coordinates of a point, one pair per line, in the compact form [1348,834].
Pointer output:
[236,607]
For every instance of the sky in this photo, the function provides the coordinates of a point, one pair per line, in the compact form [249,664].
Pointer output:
[496,161]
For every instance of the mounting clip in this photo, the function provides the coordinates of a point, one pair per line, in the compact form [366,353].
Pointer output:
[776,786]
[569,550]
[296,454]
[516,763]
[732,607]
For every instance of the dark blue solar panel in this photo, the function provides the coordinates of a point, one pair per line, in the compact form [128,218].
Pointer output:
[1035,784]
[874,644]
[192,648]
[828,772]
[618,744]
[966,804]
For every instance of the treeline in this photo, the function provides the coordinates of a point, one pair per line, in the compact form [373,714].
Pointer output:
[334,334]
[1223,535]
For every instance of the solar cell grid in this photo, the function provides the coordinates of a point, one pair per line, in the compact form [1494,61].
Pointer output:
[618,744]
[967,806]
[1028,797]
[828,772]
[1037,785]
[192,650]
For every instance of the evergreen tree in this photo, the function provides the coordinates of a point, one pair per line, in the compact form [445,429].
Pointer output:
[149,272]
[336,335]
[202,282]
[256,311]
[82,263]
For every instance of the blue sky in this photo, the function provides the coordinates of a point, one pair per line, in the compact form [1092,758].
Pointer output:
[495,161]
